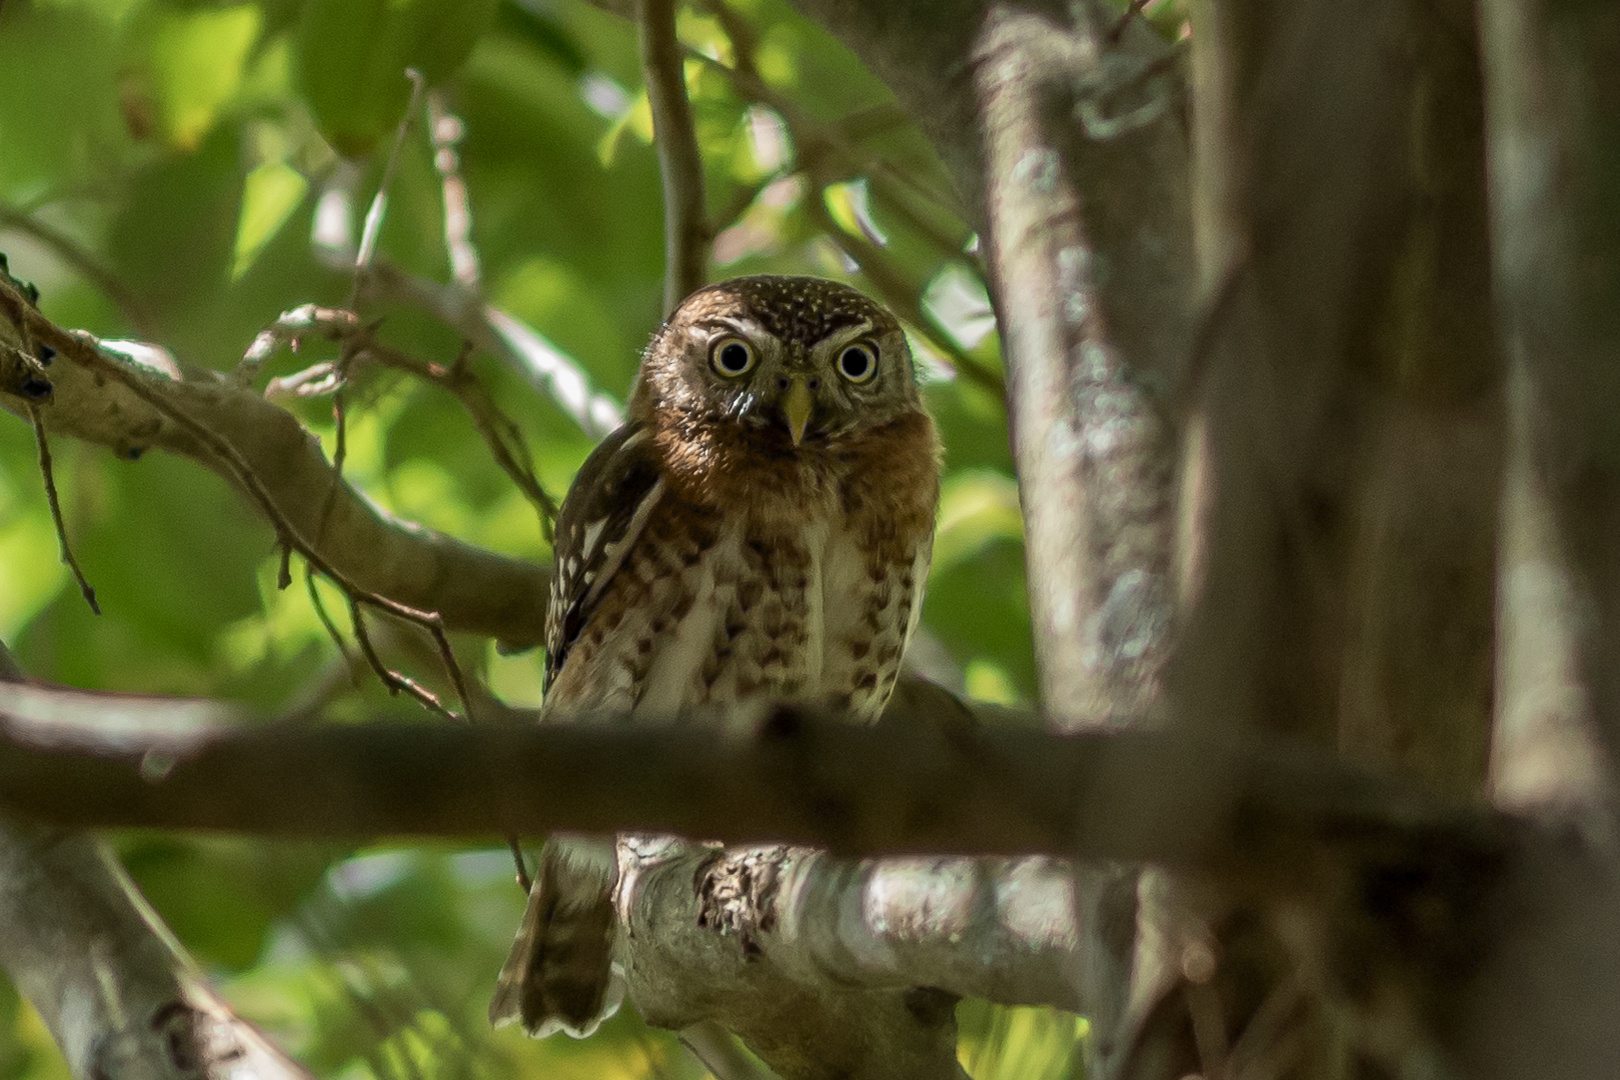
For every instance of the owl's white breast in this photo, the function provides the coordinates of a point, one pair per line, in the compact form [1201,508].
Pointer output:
[763,611]
[680,653]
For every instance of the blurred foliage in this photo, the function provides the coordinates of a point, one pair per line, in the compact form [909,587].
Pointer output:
[172,172]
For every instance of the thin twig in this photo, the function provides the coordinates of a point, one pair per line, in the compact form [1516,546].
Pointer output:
[1125,20]
[740,32]
[686,228]
[524,881]
[379,202]
[493,595]
[340,442]
[332,631]
[56,507]
[825,148]
[395,681]
[814,141]
[445,131]
[901,297]
[499,431]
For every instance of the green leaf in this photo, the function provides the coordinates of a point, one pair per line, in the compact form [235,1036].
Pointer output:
[353,55]
[61,122]
[197,59]
[270,194]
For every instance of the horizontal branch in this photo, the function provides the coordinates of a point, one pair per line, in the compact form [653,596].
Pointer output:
[471,589]
[1001,929]
[1378,884]
[927,780]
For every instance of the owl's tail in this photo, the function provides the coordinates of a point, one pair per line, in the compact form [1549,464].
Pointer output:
[560,974]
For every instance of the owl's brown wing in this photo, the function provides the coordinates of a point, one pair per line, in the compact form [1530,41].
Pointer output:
[558,976]
[601,519]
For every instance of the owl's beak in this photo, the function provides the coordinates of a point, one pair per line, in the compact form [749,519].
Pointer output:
[797,405]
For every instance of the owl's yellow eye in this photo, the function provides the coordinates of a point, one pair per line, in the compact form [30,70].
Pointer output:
[858,362]
[731,357]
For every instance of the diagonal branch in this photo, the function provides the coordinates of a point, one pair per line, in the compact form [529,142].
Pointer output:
[118,993]
[250,441]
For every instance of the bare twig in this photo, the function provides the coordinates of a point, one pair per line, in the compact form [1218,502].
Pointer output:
[56,508]
[686,227]
[340,441]
[395,681]
[491,594]
[524,882]
[332,631]
[1129,16]
[372,228]
[118,992]
[502,435]
[828,148]
[445,129]
[536,360]
[901,297]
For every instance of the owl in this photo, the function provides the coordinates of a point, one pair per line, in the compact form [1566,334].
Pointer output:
[758,531]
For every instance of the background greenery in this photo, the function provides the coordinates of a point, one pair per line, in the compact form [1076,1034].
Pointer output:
[161,166]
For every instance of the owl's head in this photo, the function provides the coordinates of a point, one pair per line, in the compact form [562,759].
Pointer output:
[796,361]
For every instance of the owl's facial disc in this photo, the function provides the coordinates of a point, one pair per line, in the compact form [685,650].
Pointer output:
[814,390]
[802,365]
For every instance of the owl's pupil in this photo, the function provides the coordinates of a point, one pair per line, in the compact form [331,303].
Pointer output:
[734,358]
[855,362]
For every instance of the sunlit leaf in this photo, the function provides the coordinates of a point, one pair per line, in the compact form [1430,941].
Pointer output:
[270,194]
[197,58]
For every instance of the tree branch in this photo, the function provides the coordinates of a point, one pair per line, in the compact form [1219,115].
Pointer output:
[1092,266]
[686,227]
[922,49]
[534,359]
[709,939]
[1475,916]
[94,271]
[922,781]
[120,996]
[1067,215]
[472,589]
[1554,131]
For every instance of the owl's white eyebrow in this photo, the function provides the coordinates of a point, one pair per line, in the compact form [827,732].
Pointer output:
[839,338]
[746,327]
